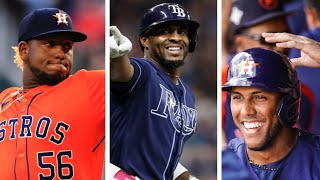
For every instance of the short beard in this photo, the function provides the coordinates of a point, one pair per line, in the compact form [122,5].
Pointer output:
[168,64]
[171,64]
[269,139]
[46,78]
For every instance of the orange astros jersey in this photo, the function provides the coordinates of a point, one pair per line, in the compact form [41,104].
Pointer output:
[54,132]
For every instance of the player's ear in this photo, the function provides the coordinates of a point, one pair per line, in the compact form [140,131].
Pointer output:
[311,16]
[144,42]
[240,42]
[23,48]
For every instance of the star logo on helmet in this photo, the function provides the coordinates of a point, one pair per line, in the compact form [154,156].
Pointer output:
[247,67]
[62,18]
[268,4]
[171,103]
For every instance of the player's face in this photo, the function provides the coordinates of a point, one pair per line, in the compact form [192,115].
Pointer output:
[254,113]
[50,58]
[168,44]
[251,37]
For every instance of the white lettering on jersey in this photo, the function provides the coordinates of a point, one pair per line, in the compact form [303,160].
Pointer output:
[182,117]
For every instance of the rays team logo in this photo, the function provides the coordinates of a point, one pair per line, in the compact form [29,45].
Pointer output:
[62,18]
[269,4]
[182,117]
[177,10]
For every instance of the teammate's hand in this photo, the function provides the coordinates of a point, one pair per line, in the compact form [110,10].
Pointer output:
[119,44]
[310,49]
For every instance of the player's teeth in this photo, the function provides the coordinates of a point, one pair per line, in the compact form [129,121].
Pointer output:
[250,125]
[174,48]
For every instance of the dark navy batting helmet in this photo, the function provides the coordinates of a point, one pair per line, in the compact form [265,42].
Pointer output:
[169,12]
[271,71]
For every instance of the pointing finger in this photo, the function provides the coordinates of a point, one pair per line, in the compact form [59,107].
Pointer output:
[115,32]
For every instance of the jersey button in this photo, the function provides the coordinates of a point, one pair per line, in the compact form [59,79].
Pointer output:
[23,109]
[21,155]
[24,100]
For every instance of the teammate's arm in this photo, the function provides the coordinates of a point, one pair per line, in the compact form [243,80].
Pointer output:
[120,68]
[310,49]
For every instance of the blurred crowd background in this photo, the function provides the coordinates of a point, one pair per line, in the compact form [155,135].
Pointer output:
[88,16]
[199,72]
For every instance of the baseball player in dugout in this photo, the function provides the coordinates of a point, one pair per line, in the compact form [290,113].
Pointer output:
[248,19]
[265,104]
[42,122]
[152,110]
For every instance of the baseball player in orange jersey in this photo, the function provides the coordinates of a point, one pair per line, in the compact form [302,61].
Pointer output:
[53,127]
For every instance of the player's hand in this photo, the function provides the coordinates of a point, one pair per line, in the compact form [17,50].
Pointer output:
[118,174]
[121,175]
[119,44]
[181,173]
[186,176]
[310,49]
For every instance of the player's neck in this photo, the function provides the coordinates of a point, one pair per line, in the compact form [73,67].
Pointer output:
[279,148]
[29,81]
[23,90]
[174,74]
[174,78]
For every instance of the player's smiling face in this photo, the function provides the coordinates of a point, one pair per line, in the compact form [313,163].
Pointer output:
[50,58]
[167,43]
[254,113]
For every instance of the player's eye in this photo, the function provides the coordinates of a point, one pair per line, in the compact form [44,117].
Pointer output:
[50,43]
[183,31]
[260,97]
[163,31]
[236,97]
[68,45]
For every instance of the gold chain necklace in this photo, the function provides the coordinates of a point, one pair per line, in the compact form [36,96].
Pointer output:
[22,91]
[272,169]
[262,166]
[171,75]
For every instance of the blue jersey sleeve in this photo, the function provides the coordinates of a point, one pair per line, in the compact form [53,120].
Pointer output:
[140,76]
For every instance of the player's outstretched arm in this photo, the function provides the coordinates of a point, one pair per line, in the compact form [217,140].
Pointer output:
[120,68]
[181,173]
[310,49]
